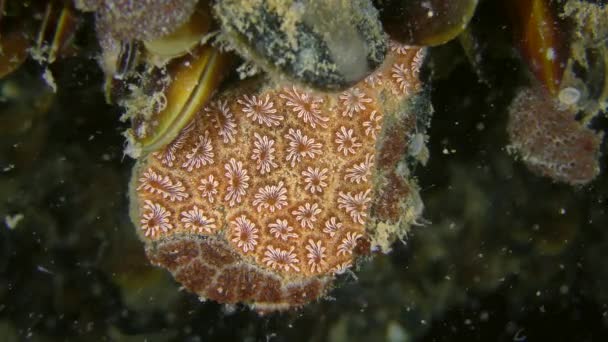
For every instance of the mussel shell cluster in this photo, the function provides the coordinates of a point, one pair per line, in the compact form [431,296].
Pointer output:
[323,45]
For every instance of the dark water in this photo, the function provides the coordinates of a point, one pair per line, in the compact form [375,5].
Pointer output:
[506,255]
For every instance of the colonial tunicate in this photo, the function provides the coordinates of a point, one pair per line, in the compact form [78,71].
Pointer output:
[272,190]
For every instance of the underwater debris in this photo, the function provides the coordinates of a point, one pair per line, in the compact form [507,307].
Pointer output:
[268,193]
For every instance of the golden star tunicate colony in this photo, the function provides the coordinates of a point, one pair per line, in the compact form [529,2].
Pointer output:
[269,192]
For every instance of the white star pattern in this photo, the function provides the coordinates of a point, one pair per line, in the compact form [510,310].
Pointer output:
[315,179]
[348,243]
[399,48]
[155,219]
[306,214]
[346,141]
[168,154]
[222,120]
[315,255]
[238,181]
[282,230]
[263,153]
[373,125]
[300,146]
[208,188]
[162,185]
[355,206]
[359,172]
[196,221]
[417,63]
[342,267]
[400,74]
[306,106]
[271,197]
[281,259]
[260,110]
[201,154]
[244,234]
[354,101]
[332,226]
[374,79]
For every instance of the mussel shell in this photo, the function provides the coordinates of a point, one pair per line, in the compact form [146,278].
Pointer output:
[542,39]
[328,45]
[183,39]
[430,23]
[13,51]
[194,79]
[42,30]
[143,20]
[57,30]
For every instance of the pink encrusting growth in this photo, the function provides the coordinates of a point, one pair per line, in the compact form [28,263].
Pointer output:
[549,139]
[279,182]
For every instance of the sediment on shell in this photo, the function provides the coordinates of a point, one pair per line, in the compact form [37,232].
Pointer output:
[327,45]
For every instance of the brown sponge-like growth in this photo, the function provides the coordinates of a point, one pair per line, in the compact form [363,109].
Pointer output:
[549,139]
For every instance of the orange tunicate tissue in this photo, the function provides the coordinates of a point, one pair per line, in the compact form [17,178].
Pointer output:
[272,190]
